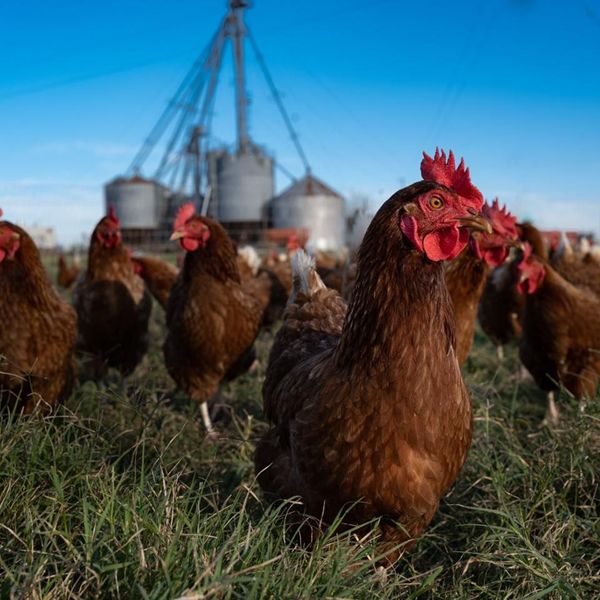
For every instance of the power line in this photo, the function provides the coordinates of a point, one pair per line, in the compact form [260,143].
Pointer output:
[105,73]
[79,78]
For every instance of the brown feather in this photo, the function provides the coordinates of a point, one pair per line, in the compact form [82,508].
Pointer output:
[158,275]
[578,271]
[561,336]
[212,320]
[38,333]
[501,306]
[113,306]
[367,403]
[67,275]
[466,277]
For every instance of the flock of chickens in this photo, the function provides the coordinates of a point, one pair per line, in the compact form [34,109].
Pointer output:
[363,389]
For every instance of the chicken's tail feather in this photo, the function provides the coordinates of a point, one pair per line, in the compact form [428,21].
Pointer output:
[305,278]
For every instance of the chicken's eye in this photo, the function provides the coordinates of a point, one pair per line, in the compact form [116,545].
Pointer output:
[436,202]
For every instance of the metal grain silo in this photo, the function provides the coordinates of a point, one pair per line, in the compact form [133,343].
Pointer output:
[242,186]
[314,206]
[139,203]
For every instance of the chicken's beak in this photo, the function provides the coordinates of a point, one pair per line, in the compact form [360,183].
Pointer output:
[177,235]
[476,223]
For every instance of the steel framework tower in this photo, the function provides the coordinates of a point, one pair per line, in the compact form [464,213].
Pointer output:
[185,124]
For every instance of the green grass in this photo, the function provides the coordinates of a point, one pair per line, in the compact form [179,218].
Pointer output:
[118,495]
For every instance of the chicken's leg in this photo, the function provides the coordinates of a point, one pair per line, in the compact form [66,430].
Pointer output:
[552,413]
[524,374]
[500,352]
[210,430]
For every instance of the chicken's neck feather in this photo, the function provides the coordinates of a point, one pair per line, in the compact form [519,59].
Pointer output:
[218,259]
[400,302]
[531,234]
[114,265]
[100,259]
[466,275]
[25,277]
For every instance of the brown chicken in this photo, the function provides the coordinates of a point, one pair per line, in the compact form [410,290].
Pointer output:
[261,289]
[277,276]
[258,283]
[341,278]
[278,269]
[593,255]
[578,269]
[112,303]
[367,404]
[282,270]
[561,331]
[467,275]
[501,306]
[38,331]
[212,320]
[529,233]
[67,275]
[158,275]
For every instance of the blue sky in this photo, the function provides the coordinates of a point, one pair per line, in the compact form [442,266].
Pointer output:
[513,85]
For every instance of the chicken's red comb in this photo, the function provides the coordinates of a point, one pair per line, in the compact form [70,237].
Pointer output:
[112,215]
[184,214]
[1,212]
[501,219]
[442,170]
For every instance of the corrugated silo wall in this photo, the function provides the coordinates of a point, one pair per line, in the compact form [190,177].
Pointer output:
[138,205]
[323,216]
[244,187]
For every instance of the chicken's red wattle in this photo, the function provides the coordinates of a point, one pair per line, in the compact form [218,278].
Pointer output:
[442,244]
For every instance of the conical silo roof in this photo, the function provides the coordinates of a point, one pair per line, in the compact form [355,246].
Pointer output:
[309,185]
